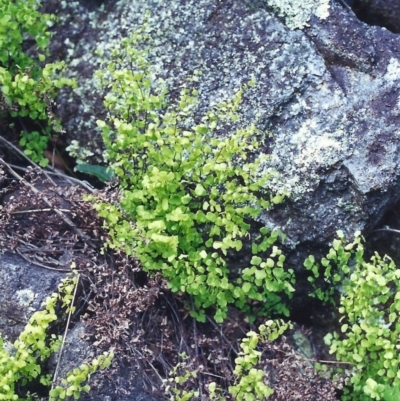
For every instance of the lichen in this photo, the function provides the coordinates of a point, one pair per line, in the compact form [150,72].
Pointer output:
[316,125]
[9,346]
[78,152]
[393,70]
[297,13]
[26,297]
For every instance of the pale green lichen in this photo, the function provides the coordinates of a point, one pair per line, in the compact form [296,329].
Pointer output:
[297,13]
[9,346]
[26,297]
[393,70]
[78,152]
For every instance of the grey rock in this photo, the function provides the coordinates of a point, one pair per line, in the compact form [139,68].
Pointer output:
[124,384]
[327,93]
[23,288]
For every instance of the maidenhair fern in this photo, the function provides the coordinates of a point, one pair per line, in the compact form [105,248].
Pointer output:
[22,362]
[188,193]
[369,305]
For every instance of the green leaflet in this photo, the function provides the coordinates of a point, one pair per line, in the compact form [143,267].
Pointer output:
[102,173]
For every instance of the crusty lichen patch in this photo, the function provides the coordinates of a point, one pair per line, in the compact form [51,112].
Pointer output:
[8,346]
[25,297]
[393,70]
[316,123]
[297,13]
[228,43]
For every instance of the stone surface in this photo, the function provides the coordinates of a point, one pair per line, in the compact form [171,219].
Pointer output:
[23,288]
[121,385]
[328,94]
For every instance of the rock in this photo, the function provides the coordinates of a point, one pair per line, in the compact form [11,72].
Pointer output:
[327,93]
[122,384]
[23,287]
[346,132]
[383,13]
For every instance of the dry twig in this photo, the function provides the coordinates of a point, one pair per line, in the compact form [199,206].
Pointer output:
[58,211]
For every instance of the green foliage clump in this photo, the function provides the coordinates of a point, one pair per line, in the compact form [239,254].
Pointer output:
[74,383]
[249,380]
[370,322]
[179,375]
[26,86]
[335,269]
[34,144]
[188,192]
[23,363]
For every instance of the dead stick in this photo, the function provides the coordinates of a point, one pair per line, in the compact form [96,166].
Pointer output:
[15,149]
[39,211]
[65,334]
[36,191]
[39,264]
[83,184]
[388,229]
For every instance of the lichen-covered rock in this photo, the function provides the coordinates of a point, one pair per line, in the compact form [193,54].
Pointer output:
[122,384]
[23,289]
[328,93]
